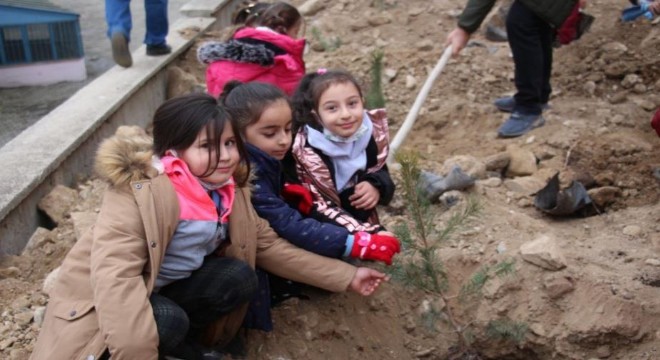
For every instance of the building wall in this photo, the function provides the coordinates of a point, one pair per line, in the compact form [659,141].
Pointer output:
[43,73]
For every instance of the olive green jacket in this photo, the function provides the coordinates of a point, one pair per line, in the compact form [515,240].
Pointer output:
[552,11]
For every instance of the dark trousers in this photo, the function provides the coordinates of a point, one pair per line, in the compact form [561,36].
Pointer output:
[184,308]
[530,39]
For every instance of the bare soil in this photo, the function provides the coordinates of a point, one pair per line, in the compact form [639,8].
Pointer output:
[604,303]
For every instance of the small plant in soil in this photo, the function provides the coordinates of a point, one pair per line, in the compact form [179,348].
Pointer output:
[421,266]
[375,98]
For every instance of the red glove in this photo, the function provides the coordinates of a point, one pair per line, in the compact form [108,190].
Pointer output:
[298,196]
[375,247]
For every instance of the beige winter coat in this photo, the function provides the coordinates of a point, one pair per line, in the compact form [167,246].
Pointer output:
[101,298]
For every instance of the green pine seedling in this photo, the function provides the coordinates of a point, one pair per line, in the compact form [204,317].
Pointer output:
[420,265]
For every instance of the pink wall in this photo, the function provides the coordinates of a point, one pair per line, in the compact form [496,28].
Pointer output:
[44,73]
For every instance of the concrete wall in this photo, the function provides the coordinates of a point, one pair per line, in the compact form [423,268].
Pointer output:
[60,148]
[43,73]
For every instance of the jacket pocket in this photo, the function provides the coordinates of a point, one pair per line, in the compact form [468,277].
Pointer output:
[70,331]
[70,310]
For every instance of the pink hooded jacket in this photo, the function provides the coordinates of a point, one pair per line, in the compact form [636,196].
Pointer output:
[254,54]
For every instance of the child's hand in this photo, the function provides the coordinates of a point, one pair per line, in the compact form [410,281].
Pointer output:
[366,281]
[365,197]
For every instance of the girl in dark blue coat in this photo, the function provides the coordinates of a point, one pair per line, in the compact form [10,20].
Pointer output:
[264,118]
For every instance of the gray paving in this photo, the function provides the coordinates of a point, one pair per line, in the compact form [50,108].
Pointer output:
[22,107]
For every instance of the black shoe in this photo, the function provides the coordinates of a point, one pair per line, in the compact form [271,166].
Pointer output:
[158,50]
[120,51]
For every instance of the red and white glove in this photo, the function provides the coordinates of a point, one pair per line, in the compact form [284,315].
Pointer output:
[298,196]
[377,247]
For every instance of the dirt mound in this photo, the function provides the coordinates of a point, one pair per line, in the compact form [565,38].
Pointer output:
[596,299]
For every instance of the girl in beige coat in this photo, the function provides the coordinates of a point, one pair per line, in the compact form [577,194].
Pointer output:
[168,265]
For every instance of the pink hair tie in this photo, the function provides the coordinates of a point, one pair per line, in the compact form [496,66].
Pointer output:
[321,71]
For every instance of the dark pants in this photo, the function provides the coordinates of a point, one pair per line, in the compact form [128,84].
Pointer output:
[530,39]
[184,308]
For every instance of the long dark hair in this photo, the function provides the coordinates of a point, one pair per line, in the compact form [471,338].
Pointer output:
[247,101]
[306,97]
[179,120]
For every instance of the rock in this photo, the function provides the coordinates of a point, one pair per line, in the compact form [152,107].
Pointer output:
[614,47]
[390,74]
[522,162]
[23,318]
[49,281]
[558,286]
[82,221]
[639,89]
[543,252]
[311,7]
[603,352]
[6,343]
[58,203]
[425,45]
[18,354]
[632,230]
[630,80]
[647,105]
[605,195]
[526,185]
[497,162]
[652,262]
[11,272]
[378,20]
[501,248]
[618,98]
[38,238]
[38,315]
[491,182]
[589,87]
[411,82]
[469,164]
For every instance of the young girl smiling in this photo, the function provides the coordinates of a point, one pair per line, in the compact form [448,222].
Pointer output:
[340,148]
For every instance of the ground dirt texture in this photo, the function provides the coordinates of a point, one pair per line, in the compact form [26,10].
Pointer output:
[585,287]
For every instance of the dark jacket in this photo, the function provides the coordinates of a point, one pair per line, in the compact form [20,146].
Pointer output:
[553,12]
[305,232]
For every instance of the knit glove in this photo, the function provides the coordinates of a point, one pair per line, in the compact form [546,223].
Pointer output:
[298,196]
[374,247]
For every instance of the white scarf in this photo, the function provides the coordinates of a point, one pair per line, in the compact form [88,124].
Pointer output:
[348,155]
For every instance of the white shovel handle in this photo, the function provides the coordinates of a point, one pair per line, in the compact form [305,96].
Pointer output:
[414,111]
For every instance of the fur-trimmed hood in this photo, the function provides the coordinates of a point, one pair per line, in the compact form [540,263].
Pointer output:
[251,45]
[128,156]
[236,50]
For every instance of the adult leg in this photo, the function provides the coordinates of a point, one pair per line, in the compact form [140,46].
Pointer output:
[524,30]
[156,20]
[547,34]
[118,18]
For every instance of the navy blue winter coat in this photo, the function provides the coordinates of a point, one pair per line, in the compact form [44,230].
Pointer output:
[305,232]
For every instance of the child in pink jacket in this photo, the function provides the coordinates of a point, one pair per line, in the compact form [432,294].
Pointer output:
[267,51]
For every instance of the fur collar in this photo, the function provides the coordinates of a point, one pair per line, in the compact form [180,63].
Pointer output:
[236,50]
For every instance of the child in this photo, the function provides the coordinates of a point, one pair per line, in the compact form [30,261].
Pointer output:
[268,52]
[263,118]
[340,148]
[170,259]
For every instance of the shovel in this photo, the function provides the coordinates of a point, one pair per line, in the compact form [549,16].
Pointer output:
[414,111]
